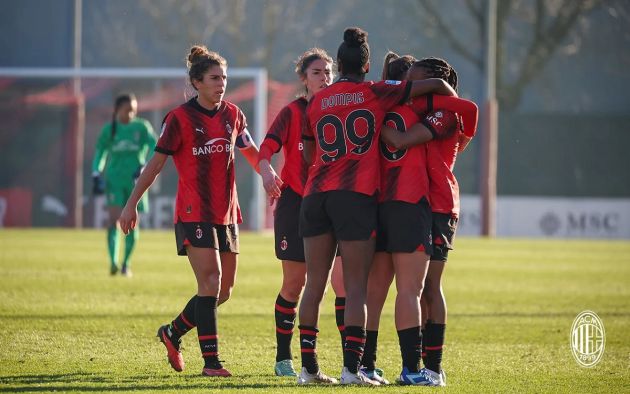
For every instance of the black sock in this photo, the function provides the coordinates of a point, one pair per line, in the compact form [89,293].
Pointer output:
[185,321]
[340,310]
[409,341]
[422,336]
[434,342]
[206,316]
[369,355]
[308,348]
[353,351]
[285,321]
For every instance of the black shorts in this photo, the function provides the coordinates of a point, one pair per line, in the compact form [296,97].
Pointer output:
[286,221]
[350,216]
[443,232]
[223,238]
[404,227]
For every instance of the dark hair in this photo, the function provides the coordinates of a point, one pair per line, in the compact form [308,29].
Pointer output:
[199,60]
[438,68]
[125,98]
[308,57]
[395,66]
[354,52]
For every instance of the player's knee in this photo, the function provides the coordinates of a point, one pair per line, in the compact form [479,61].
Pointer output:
[209,283]
[291,291]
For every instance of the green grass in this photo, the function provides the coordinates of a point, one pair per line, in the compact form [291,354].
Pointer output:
[67,326]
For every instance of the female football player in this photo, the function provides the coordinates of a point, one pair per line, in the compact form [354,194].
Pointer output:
[201,135]
[121,151]
[339,203]
[405,220]
[314,68]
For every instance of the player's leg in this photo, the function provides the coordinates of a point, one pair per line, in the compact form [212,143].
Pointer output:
[228,245]
[130,242]
[379,281]
[289,248]
[207,266]
[336,282]
[134,235]
[435,324]
[113,237]
[353,216]
[443,229]
[319,251]
[293,280]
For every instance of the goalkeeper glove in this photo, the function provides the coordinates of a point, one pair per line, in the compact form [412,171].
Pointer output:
[98,185]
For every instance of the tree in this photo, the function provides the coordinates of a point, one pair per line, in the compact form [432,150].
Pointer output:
[541,28]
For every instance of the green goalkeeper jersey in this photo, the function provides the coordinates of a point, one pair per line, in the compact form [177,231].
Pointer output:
[122,155]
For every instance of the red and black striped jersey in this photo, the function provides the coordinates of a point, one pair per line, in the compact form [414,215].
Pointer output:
[286,133]
[202,145]
[345,120]
[441,155]
[443,186]
[403,172]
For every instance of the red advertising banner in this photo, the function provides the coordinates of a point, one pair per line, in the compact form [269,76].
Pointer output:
[15,207]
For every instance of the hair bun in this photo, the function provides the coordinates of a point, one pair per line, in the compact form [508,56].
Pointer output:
[197,53]
[354,37]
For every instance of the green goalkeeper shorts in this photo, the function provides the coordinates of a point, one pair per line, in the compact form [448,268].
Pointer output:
[118,194]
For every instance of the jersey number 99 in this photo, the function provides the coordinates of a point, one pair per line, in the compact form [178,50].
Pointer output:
[338,148]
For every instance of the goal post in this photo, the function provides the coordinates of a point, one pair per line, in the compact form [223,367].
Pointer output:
[258,75]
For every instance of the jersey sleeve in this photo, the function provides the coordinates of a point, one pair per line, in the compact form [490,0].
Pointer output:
[170,138]
[101,150]
[278,132]
[441,123]
[466,108]
[391,93]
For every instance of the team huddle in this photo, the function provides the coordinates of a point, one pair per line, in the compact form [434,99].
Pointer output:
[367,192]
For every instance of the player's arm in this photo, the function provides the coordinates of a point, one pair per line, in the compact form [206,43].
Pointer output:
[148,145]
[101,152]
[431,85]
[129,216]
[271,181]
[415,135]
[438,125]
[467,109]
[248,148]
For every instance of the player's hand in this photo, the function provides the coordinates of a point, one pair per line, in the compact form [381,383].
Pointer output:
[271,181]
[98,184]
[128,219]
[442,123]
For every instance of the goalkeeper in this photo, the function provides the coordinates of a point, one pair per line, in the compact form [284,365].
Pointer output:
[122,148]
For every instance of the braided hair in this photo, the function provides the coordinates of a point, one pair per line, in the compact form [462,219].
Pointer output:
[122,99]
[438,68]
[354,52]
[395,66]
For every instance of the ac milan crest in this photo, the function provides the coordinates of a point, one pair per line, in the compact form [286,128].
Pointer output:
[198,233]
[284,244]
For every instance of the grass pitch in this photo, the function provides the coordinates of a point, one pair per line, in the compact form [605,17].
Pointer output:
[66,325]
